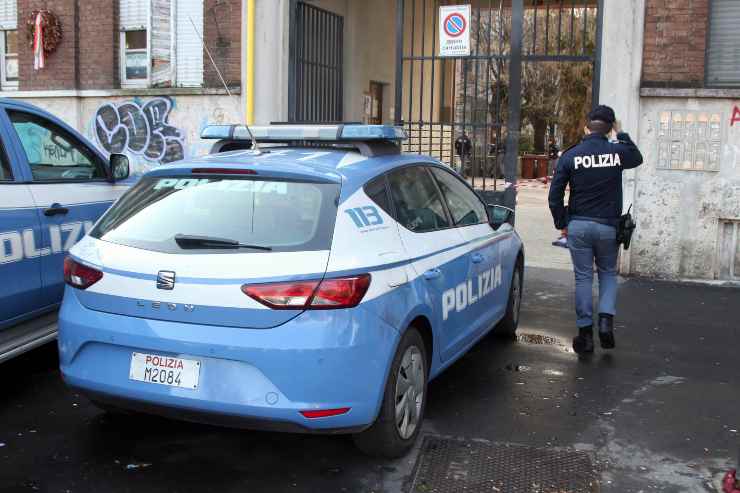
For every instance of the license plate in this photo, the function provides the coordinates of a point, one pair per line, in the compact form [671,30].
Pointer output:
[165,370]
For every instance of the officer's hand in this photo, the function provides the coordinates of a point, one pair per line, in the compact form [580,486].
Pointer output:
[617,127]
[564,233]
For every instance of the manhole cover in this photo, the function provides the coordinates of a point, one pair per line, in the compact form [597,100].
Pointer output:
[450,465]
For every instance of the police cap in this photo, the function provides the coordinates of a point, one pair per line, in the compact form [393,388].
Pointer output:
[602,113]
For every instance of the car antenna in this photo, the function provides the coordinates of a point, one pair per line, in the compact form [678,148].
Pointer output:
[255,147]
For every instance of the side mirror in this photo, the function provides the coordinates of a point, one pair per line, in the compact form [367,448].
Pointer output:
[498,215]
[119,167]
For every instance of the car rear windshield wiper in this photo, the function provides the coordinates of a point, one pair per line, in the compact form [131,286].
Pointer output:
[205,242]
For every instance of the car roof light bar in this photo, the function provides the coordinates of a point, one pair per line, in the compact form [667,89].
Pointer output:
[308,133]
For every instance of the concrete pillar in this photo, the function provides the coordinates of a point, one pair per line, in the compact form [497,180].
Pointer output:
[271,56]
[621,71]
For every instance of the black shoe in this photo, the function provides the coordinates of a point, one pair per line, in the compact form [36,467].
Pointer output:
[584,341]
[606,331]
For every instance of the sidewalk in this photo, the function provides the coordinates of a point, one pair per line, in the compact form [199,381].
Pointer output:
[534,223]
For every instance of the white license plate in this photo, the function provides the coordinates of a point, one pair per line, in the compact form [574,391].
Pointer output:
[165,370]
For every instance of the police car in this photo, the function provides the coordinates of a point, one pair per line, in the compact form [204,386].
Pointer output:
[315,285]
[54,185]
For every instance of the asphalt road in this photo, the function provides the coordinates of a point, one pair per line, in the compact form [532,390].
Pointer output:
[660,413]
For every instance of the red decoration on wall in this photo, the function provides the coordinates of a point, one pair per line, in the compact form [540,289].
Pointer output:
[51,30]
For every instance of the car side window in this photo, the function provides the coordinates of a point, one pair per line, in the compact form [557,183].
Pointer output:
[53,153]
[375,189]
[464,205]
[417,201]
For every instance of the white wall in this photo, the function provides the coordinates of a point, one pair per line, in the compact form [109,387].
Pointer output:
[678,211]
[621,71]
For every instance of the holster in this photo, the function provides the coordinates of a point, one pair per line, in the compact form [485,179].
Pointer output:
[625,227]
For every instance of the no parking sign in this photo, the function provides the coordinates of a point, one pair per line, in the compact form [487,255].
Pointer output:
[454,30]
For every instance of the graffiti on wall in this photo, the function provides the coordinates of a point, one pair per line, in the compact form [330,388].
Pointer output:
[735,116]
[140,129]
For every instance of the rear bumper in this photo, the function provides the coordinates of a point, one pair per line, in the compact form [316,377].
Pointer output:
[252,378]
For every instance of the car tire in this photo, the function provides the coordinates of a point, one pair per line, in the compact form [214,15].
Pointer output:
[387,437]
[507,326]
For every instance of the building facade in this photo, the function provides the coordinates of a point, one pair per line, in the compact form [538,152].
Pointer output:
[672,70]
[135,76]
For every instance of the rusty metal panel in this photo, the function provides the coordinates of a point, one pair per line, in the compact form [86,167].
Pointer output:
[450,465]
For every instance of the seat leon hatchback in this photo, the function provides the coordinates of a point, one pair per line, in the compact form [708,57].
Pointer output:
[314,285]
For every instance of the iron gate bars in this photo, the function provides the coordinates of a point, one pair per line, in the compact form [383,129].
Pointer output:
[480,96]
[315,86]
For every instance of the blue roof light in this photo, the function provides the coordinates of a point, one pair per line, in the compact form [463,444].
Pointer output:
[372,132]
[326,133]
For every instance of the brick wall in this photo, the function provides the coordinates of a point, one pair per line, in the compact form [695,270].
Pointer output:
[222,34]
[61,68]
[88,56]
[98,44]
[675,43]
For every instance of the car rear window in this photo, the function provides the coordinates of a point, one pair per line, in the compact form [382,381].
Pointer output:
[280,215]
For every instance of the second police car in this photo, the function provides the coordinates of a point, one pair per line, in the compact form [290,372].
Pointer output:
[54,184]
[299,288]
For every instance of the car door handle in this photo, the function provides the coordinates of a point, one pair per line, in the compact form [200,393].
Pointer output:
[477,258]
[432,274]
[55,209]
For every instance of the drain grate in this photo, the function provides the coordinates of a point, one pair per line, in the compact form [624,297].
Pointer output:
[450,465]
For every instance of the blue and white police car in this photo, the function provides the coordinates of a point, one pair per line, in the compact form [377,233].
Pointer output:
[315,285]
[54,184]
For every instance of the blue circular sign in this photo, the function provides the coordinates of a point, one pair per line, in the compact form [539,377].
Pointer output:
[455,24]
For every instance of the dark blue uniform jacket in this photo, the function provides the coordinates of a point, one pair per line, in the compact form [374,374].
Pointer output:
[593,170]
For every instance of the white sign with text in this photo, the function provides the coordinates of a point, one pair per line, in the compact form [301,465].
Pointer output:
[454,30]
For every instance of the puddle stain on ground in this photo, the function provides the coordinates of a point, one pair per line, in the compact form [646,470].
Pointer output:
[543,340]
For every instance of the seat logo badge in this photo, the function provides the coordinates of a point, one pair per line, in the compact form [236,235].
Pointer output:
[166,280]
[160,305]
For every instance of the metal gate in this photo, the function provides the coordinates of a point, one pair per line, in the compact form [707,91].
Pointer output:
[480,96]
[315,78]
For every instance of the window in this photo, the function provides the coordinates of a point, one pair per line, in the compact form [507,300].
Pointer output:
[8,44]
[283,215]
[417,201]
[153,32]
[134,18]
[52,152]
[723,52]
[375,189]
[464,205]
[9,55]
[135,64]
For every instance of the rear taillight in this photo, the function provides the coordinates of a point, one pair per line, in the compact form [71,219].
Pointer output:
[324,413]
[80,276]
[328,294]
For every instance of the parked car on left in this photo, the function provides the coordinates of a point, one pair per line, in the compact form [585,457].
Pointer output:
[54,185]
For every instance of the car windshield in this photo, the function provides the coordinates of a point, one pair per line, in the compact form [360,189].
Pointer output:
[267,214]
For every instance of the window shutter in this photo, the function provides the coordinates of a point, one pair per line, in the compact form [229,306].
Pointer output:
[8,14]
[161,39]
[189,48]
[723,55]
[134,14]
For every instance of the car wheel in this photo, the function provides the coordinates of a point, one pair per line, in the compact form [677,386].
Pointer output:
[508,325]
[402,410]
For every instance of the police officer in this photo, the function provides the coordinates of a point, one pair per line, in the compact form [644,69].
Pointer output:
[593,170]
[552,154]
[463,147]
